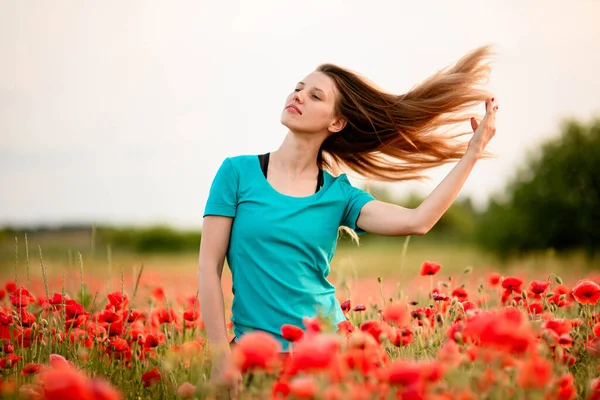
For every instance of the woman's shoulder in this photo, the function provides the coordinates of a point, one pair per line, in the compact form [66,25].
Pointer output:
[341,178]
[241,161]
[343,181]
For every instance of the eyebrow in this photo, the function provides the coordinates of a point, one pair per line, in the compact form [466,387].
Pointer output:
[316,88]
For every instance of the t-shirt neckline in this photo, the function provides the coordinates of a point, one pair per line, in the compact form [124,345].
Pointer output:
[265,182]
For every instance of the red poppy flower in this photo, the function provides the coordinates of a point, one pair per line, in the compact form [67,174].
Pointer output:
[449,354]
[74,309]
[31,392]
[9,361]
[400,336]
[312,325]
[512,283]
[158,294]
[109,316]
[135,315]
[256,350]
[57,300]
[440,297]
[360,307]
[8,348]
[279,389]
[24,337]
[560,326]
[64,383]
[10,286]
[430,268]
[535,308]
[102,390]
[291,333]
[397,314]
[469,305]
[374,328]
[593,347]
[346,306]
[345,328]
[191,315]
[27,319]
[595,389]
[535,373]
[21,297]
[587,292]
[30,369]
[314,353]
[460,293]
[503,330]
[538,287]
[151,341]
[596,329]
[303,387]
[565,340]
[119,345]
[494,279]
[151,377]
[76,322]
[401,372]
[118,300]
[2,294]
[186,390]
[59,362]
[166,316]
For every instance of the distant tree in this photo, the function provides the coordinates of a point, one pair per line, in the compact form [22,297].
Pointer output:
[554,201]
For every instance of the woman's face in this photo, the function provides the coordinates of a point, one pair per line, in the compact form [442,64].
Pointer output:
[310,108]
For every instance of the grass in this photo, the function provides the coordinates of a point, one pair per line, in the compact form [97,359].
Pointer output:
[87,273]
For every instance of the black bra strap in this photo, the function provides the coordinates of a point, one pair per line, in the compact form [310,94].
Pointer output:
[264,163]
[264,166]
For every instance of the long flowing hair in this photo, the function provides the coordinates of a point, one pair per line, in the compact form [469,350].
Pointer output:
[398,137]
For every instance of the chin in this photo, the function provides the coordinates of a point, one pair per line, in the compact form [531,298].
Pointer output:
[289,124]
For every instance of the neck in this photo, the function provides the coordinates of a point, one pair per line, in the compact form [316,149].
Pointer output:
[298,153]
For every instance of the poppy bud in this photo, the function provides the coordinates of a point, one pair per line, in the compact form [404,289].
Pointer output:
[439,319]
[458,337]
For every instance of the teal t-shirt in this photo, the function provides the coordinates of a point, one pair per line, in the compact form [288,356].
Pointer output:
[281,246]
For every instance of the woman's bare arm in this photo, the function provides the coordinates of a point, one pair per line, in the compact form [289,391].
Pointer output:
[389,219]
[216,231]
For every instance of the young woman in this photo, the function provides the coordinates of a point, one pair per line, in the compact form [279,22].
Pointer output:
[276,216]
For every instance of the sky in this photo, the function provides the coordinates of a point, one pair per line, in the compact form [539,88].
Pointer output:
[121,112]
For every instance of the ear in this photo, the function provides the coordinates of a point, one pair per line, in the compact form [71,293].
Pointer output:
[337,125]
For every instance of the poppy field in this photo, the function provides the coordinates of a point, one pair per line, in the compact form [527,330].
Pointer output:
[475,334]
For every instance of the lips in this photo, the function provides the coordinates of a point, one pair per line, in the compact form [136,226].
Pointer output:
[293,106]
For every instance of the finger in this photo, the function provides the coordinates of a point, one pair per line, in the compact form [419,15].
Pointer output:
[474,124]
[489,105]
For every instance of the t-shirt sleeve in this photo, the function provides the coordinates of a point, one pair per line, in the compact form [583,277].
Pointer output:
[356,199]
[223,195]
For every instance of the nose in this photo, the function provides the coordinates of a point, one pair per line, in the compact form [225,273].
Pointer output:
[297,98]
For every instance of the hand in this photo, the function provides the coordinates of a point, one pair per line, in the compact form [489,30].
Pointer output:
[225,377]
[484,131]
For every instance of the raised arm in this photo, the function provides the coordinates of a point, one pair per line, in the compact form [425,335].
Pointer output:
[392,220]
